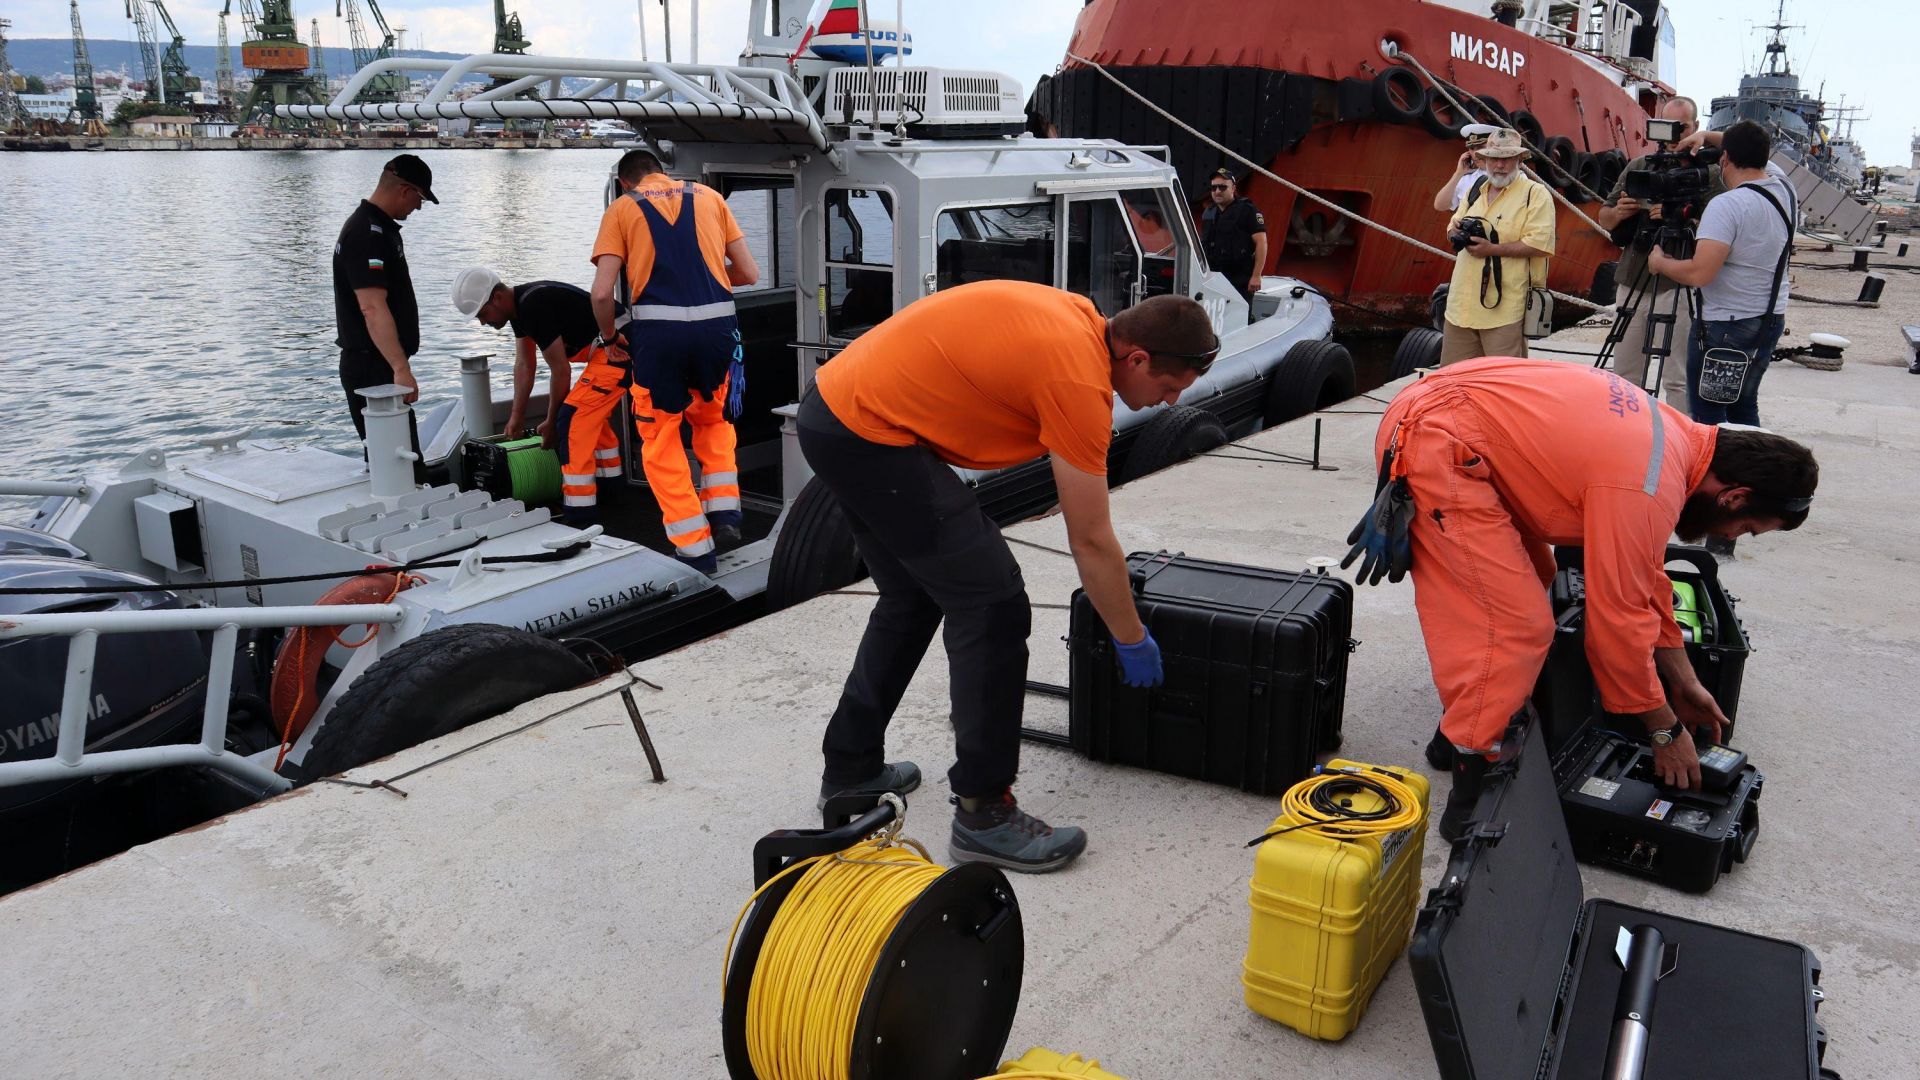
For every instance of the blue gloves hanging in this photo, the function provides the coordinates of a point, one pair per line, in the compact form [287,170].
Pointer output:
[736,382]
[1384,533]
[1140,662]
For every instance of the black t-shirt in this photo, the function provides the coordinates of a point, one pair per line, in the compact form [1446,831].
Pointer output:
[545,310]
[1227,234]
[369,255]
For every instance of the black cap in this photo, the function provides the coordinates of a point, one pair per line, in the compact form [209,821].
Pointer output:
[410,168]
[1227,173]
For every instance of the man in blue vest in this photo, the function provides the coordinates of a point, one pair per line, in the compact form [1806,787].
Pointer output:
[672,312]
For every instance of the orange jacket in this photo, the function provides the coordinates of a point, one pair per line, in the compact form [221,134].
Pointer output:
[1581,456]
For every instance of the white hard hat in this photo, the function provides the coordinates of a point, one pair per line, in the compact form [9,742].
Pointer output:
[472,288]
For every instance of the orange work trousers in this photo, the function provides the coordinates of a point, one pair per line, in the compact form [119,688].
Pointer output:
[683,509]
[584,435]
[1479,585]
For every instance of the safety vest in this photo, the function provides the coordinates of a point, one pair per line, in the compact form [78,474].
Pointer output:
[681,330]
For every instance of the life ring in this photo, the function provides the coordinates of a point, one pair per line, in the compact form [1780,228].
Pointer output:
[1398,95]
[293,695]
[1439,117]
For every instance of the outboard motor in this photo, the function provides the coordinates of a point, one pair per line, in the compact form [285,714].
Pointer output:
[148,688]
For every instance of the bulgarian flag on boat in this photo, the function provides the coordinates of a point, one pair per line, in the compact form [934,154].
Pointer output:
[829,17]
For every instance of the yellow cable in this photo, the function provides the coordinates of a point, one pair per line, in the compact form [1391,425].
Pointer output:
[1296,805]
[820,952]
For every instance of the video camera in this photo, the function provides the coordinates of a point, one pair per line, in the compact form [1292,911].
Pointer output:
[1679,183]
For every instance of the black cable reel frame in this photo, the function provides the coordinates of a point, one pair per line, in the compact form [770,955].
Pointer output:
[943,995]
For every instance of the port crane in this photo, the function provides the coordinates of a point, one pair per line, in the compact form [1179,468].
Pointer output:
[149,54]
[86,97]
[278,59]
[179,84]
[387,86]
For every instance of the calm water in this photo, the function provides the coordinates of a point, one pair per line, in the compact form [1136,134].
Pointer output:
[153,299]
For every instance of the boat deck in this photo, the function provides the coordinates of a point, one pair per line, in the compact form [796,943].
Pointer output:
[537,908]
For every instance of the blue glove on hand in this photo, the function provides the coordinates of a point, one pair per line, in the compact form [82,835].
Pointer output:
[1140,662]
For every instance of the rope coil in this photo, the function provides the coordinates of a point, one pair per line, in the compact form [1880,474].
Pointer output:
[1324,804]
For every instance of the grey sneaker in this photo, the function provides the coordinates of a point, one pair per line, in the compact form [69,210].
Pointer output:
[898,777]
[1006,836]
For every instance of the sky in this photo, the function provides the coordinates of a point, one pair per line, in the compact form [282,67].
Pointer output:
[1861,48]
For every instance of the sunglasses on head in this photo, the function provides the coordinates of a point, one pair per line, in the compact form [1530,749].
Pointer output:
[1199,361]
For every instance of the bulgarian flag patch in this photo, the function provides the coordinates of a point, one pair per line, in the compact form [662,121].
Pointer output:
[376,264]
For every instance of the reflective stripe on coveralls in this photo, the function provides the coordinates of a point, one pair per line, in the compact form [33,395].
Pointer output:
[1480,554]
[584,436]
[682,333]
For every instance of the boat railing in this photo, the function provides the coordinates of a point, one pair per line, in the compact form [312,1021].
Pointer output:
[72,489]
[710,102]
[71,760]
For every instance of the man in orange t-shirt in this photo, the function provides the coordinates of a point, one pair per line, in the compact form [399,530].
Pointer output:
[673,321]
[982,376]
[1503,457]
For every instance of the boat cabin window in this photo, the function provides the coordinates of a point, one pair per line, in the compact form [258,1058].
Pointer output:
[1103,262]
[1150,212]
[763,205]
[859,224]
[994,243]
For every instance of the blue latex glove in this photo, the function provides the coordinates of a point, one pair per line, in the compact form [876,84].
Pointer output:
[736,391]
[1384,536]
[1140,662]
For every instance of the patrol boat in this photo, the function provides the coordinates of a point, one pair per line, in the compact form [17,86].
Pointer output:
[881,185]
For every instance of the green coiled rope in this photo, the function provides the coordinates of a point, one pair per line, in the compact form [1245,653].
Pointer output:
[535,473]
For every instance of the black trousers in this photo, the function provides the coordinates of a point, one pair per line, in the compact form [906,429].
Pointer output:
[933,555]
[359,370]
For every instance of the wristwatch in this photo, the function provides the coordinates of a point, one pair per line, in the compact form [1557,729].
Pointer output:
[1666,735]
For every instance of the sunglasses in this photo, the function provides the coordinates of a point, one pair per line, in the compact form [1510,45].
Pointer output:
[1219,187]
[1199,361]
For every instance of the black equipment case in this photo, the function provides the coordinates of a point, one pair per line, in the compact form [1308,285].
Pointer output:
[1565,694]
[1256,673]
[1518,978]
[1619,815]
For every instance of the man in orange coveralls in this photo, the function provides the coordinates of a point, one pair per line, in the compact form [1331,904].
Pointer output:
[1487,463]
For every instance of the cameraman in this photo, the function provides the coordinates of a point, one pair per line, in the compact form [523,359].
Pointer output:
[1630,358]
[1739,265]
[1504,234]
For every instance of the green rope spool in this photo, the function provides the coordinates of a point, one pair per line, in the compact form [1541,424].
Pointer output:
[535,472]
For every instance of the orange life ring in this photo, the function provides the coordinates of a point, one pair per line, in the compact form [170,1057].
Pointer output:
[293,696]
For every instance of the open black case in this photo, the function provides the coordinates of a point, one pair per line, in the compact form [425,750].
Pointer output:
[1518,979]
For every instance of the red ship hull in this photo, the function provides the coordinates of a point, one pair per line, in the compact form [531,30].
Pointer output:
[1291,85]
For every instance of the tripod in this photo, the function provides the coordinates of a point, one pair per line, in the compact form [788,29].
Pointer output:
[1658,342]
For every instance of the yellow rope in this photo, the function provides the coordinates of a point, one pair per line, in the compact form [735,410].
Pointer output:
[820,952]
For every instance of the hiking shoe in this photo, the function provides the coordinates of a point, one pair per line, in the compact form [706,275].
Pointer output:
[706,564]
[899,777]
[1440,752]
[1006,836]
[725,525]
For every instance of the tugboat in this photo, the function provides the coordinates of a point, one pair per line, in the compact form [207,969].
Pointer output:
[1328,99]
[880,185]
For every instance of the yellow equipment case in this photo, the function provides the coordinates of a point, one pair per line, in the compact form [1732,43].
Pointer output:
[1332,906]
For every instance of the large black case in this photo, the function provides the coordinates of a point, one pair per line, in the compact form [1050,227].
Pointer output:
[1256,673]
[1517,977]
[1565,695]
[1619,815]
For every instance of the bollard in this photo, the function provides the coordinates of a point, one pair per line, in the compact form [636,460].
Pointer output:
[389,455]
[1870,288]
[476,395]
[1860,259]
[1902,251]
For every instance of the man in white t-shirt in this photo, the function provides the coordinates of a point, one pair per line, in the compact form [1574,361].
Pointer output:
[1454,191]
[1739,265]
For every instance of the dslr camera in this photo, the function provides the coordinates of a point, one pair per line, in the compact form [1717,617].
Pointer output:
[1463,233]
[1679,183]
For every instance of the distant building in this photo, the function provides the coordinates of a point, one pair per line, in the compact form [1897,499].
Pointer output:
[54,107]
[163,127]
[215,129]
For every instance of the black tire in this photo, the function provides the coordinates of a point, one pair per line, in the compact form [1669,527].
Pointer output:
[1437,307]
[1611,163]
[1398,96]
[435,684]
[1180,433]
[1592,176]
[1606,287]
[1419,348]
[1500,114]
[1439,117]
[1312,376]
[1529,127]
[814,552]
[1563,161]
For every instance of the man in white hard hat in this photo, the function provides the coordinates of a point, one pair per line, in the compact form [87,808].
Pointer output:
[557,320]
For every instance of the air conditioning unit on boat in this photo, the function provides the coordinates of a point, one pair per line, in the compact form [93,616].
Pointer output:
[932,99]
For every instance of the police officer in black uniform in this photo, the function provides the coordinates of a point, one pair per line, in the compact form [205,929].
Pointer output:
[373,305]
[1234,234]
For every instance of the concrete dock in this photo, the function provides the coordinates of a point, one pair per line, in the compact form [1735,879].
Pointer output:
[538,908]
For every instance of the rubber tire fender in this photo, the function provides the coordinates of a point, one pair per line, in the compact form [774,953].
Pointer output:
[1611,163]
[1529,127]
[438,683]
[1174,436]
[1312,376]
[1439,116]
[1418,348]
[1606,286]
[1412,92]
[814,551]
[1593,176]
[1493,106]
[293,691]
[1437,306]
[1563,161]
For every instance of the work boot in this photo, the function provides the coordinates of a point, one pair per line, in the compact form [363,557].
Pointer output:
[706,564]
[1469,776]
[725,525]
[1440,752]
[997,831]
[899,777]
